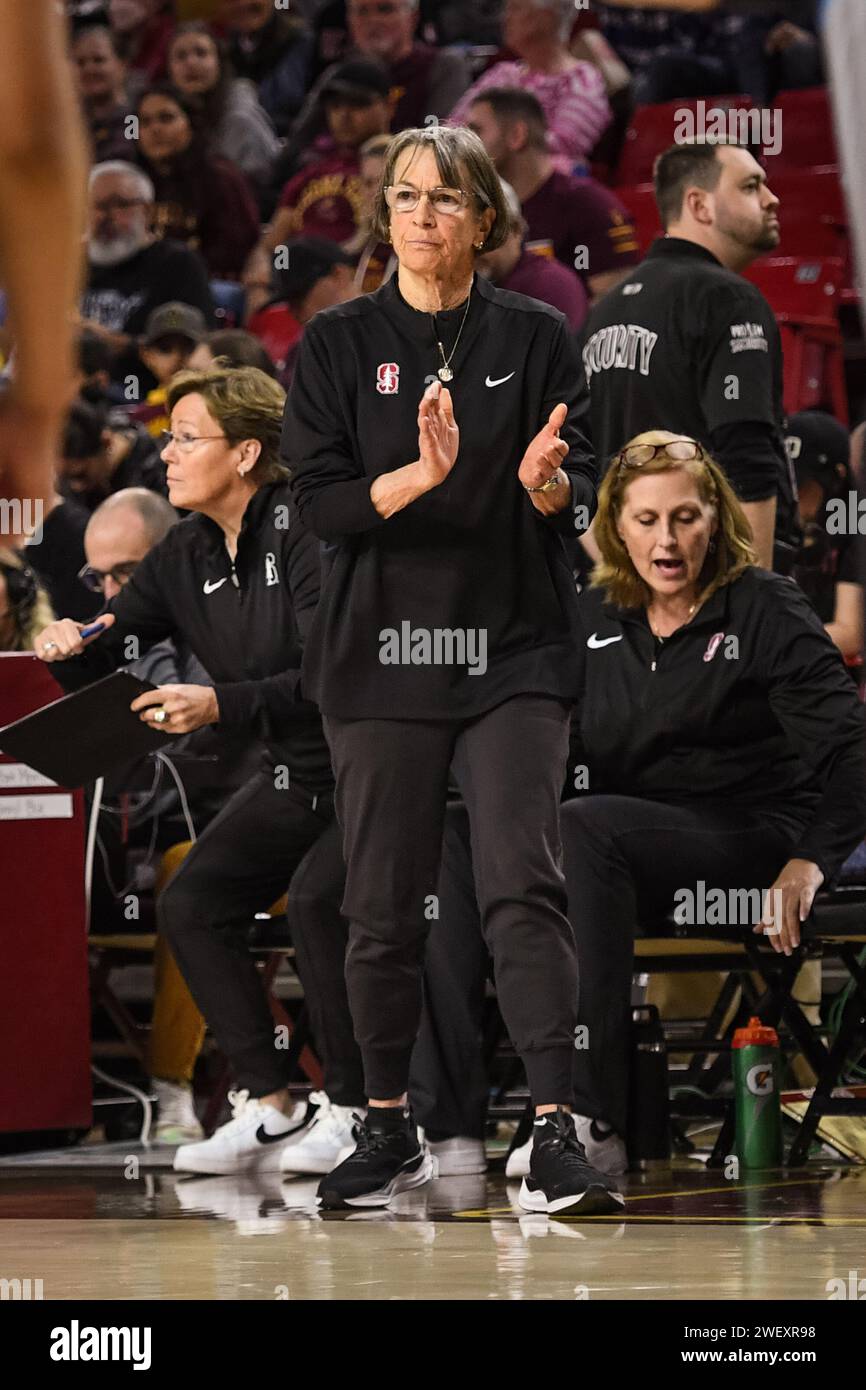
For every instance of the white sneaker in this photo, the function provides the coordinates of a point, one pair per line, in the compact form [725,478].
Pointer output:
[460,1157]
[252,1140]
[253,1201]
[604,1150]
[329,1134]
[176,1120]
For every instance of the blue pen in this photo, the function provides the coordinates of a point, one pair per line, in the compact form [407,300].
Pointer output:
[92,630]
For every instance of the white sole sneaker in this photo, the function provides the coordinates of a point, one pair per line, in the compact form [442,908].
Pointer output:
[517,1163]
[593,1201]
[459,1158]
[401,1182]
[608,1155]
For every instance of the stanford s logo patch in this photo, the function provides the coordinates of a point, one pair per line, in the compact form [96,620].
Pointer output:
[388,378]
[713,645]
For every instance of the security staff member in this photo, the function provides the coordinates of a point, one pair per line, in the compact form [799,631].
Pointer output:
[686,344]
[238,581]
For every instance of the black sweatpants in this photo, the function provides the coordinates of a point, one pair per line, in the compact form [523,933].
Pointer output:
[320,935]
[392,779]
[624,858]
[239,866]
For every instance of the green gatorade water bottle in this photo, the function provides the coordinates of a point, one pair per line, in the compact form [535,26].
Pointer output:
[756,1090]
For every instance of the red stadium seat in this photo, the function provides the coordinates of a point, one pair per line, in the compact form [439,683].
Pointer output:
[804,296]
[653,128]
[807,136]
[277,328]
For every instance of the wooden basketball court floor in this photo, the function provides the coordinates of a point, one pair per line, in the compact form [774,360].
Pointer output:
[132,1231]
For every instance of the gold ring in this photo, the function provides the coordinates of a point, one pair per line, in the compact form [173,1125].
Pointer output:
[159,716]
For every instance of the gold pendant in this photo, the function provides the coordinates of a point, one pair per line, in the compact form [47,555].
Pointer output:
[446,374]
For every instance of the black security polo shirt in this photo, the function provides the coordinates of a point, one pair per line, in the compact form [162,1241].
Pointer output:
[472,558]
[684,344]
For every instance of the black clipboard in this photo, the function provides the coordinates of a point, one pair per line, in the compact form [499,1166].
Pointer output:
[86,735]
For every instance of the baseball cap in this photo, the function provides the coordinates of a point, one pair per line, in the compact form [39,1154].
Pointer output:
[358,79]
[818,447]
[310,259]
[174,320]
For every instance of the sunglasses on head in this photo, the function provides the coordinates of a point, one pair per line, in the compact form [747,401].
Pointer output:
[637,455]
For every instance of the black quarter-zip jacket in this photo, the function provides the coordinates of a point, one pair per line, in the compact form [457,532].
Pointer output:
[246,622]
[473,556]
[749,704]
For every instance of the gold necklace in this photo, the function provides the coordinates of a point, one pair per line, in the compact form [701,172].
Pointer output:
[658,636]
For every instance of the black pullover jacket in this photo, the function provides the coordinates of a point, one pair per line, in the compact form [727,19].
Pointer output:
[749,704]
[472,556]
[246,623]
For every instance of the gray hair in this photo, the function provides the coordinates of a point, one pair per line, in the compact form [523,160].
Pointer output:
[155,512]
[125,170]
[461,160]
[565,13]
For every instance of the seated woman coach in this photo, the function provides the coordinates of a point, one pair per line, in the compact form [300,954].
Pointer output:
[717,744]
[445,636]
[238,581]
[722,741]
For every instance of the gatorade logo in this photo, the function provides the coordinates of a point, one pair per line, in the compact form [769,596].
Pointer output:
[759,1080]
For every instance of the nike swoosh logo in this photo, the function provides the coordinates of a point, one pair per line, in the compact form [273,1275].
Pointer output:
[596,642]
[265,1138]
[210,587]
[500,380]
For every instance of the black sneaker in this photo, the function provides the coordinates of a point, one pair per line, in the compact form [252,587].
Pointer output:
[560,1176]
[387,1159]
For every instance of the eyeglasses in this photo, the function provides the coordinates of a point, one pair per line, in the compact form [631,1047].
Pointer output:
[118,204]
[403,198]
[94,579]
[185,442]
[384,7]
[636,455]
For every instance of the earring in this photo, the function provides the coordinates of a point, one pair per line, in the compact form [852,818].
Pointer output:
[713,543]
[478,245]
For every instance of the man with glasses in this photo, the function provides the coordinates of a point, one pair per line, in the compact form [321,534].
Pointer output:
[425,80]
[130,273]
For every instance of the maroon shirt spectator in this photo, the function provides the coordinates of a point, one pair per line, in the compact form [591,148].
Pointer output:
[326,197]
[101,82]
[512,267]
[425,81]
[576,220]
[200,200]
[565,214]
[142,29]
[550,282]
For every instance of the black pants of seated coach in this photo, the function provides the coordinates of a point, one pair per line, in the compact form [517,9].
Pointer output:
[624,859]
[392,781]
[240,865]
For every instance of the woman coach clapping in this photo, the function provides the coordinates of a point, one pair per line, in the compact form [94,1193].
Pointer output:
[445,634]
